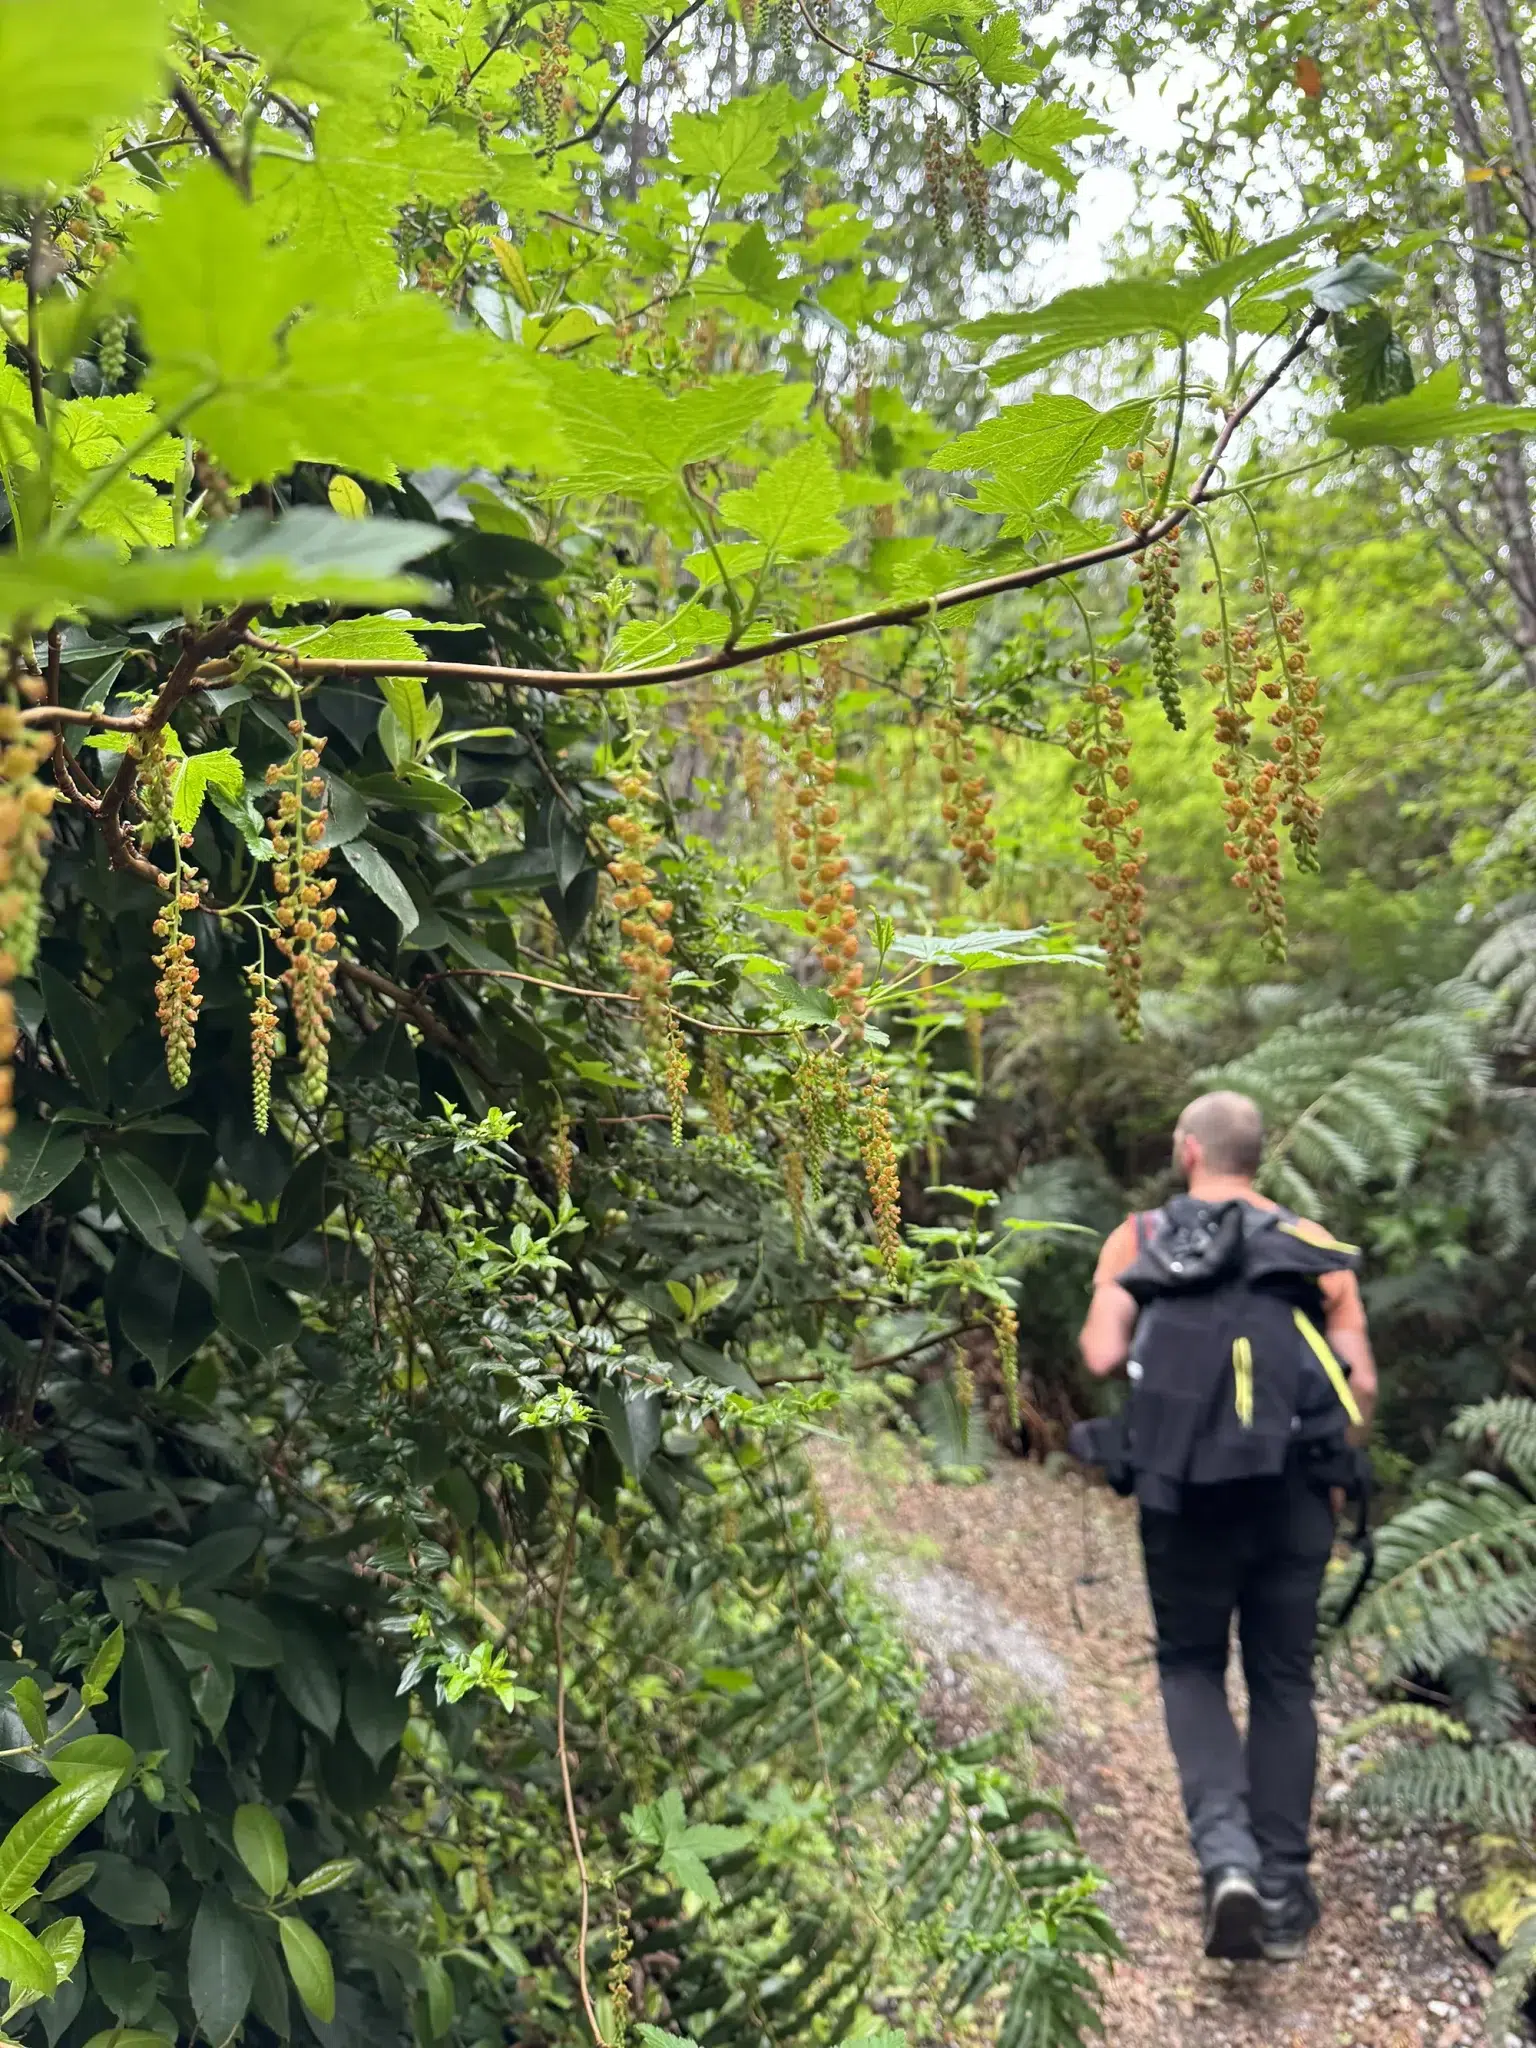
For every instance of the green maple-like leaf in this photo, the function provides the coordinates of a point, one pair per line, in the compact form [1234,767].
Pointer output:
[732,148]
[683,1850]
[1039,452]
[792,507]
[332,48]
[69,71]
[1038,137]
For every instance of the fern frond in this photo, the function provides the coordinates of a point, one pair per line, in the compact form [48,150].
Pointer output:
[1460,1786]
[1512,1983]
[1508,1426]
[1455,1569]
[1404,1717]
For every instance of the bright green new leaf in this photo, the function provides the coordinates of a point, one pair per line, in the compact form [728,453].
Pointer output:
[333,48]
[347,496]
[732,147]
[633,440]
[65,1942]
[1039,452]
[70,70]
[327,1877]
[1432,412]
[47,1828]
[643,643]
[683,1850]
[102,1668]
[309,1965]
[793,505]
[27,1699]
[198,773]
[1039,135]
[658,2037]
[261,1848]
[24,1963]
[90,1754]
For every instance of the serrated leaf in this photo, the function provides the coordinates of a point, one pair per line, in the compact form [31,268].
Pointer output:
[1040,133]
[198,773]
[261,1848]
[1373,364]
[69,71]
[1355,282]
[731,148]
[1039,452]
[376,874]
[1431,413]
[792,506]
[632,438]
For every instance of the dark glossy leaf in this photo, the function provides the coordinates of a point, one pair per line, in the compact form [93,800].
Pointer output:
[221,1967]
[147,1204]
[633,1422]
[128,1893]
[213,1559]
[253,1310]
[1355,282]
[245,1636]
[308,1678]
[532,868]
[126,1988]
[376,1710]
[161,1308]
[79,1031]
[156,1711]
[375,873]
[39,1157]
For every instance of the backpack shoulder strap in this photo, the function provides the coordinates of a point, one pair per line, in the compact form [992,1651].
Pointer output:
[1143,1222]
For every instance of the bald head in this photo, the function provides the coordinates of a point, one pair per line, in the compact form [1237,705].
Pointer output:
[1219,1134]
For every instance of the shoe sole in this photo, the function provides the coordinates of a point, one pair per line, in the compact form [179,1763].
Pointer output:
[1283,1951]
[1234,1924]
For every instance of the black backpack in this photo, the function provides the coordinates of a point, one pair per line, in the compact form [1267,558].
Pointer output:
[1230,1374]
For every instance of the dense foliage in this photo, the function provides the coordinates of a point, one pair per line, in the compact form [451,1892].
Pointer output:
[524,631]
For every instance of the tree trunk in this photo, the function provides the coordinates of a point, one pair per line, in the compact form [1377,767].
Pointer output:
[1512,499]
[1508,62]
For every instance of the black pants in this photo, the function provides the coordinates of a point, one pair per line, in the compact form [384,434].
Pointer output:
[1257,1551]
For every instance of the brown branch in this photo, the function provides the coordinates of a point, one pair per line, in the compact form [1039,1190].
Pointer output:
[562,1751]
[209,137]
[601,995]
[68,714]
[32,349]
[927,1343]
[657,43]
[913,612]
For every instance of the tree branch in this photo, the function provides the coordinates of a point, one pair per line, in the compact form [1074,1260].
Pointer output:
[912,612]
[657,43]
[209,137]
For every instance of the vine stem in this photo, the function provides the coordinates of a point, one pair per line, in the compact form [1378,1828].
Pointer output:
[601,995]
[562,1751]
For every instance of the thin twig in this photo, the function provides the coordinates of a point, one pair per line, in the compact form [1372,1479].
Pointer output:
[657,42]
[600,995]
[562,1751]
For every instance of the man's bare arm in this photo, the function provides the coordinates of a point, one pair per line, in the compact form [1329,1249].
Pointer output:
[1106,1339]
[1347,1333]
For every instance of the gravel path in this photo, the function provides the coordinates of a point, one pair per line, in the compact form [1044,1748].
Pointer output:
[992,1576]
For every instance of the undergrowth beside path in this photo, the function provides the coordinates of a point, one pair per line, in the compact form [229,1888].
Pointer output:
[1387,1969]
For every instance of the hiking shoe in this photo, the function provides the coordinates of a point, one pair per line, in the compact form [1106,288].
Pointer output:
[1234,1915]
[1288,1917]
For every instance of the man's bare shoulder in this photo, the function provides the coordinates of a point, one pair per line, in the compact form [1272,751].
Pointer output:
[1118,1252]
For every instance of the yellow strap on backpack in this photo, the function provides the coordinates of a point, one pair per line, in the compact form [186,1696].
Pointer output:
[1242,1373]
[1323,1352]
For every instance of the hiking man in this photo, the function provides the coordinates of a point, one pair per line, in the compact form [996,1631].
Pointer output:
[1234,1440]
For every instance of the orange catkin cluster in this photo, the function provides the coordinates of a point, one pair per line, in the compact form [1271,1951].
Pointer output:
[1251,800]
[643,915]
[177,999]
[1098,741]
[305,934]
[967,803]
[1298,722]
[820,866]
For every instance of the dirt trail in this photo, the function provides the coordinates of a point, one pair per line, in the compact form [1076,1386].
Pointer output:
[990,1573]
